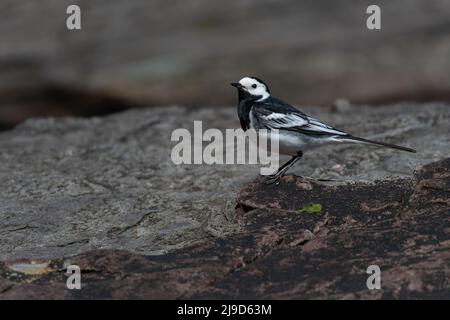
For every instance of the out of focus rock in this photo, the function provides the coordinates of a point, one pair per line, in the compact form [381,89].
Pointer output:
[187,52]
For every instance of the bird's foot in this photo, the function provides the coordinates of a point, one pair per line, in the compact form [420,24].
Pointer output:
[273,179]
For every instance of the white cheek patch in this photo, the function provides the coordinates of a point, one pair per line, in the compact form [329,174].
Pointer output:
[260,90]
[264,95]
[247,82]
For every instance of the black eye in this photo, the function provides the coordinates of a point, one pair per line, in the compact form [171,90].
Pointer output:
[253,86]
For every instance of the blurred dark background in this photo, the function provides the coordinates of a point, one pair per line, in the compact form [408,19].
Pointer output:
[158,52]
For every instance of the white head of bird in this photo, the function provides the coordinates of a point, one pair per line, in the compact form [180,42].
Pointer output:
[253,86]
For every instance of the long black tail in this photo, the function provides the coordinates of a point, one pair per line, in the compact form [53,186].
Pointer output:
[388,145]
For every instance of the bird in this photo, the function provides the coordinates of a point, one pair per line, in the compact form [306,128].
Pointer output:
[297,132]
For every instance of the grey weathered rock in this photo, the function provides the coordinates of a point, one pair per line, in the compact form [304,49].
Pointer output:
[70,185]
[282,251]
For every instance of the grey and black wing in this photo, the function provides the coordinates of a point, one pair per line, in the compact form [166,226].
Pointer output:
[291,119]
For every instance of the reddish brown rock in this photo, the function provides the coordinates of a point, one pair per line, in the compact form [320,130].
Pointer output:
[284,251]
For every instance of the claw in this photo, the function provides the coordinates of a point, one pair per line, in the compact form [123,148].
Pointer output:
[273,180]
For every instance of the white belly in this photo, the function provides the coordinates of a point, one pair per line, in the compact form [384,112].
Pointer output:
[291,143]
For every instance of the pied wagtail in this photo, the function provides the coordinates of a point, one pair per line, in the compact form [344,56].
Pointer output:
[298,132]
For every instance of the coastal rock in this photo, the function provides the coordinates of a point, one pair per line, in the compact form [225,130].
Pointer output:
[103,194]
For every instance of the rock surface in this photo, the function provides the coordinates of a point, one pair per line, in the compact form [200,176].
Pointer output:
[69,185]
[103,193]
[282,252]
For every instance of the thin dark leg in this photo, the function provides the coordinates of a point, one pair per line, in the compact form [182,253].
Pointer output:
[283,169]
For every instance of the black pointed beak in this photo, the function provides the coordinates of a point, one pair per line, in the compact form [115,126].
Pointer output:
[236,85]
